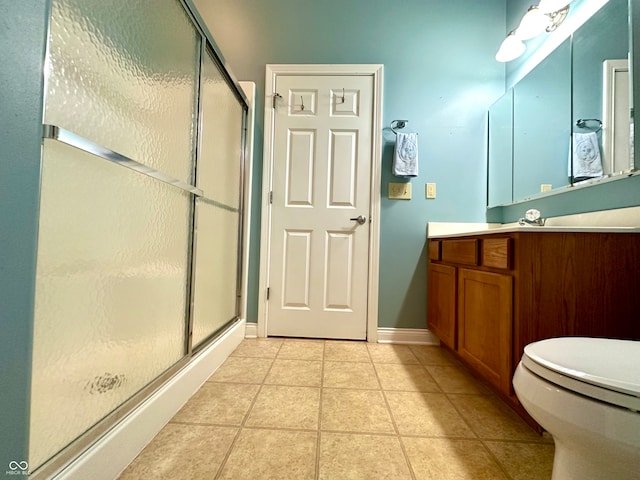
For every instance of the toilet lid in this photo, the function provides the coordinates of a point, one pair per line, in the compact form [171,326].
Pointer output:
[602,368]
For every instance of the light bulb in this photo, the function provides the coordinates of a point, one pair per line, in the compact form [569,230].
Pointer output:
[511,48]
[551,6]
[532,24]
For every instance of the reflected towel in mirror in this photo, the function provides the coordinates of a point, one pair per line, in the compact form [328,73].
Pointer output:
[586,161]
[405,158]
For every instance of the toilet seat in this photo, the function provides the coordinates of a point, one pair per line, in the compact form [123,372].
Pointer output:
[600,368]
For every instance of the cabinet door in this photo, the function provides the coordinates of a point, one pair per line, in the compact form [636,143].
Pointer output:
[441,303]
[485,324]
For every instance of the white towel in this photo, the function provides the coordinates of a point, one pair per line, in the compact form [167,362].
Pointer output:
[586,156]
[405,158]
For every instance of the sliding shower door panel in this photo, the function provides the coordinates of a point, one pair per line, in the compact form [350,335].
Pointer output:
[124,75]
[110,295]
[220,156]
[114,248]
[219,176]
[216,266]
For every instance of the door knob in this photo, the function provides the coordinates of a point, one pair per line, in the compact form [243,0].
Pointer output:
[360,219]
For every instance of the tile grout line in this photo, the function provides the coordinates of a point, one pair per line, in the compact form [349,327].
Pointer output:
[498,462]
[479,438]
[319,434]
[393,422]
[488,393]
[484,441]
[246,416]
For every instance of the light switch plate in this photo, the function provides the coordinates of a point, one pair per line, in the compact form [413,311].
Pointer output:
[430,190]
[399,191]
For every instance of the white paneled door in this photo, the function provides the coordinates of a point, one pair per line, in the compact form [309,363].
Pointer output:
[320,207]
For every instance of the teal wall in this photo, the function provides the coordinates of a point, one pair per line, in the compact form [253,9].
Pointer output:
[22,40]
[439,73]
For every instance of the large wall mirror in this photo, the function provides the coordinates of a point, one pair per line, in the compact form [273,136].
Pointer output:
[500,150]
[542,125]
[567,122]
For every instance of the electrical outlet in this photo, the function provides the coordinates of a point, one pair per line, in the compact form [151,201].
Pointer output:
[430,190]
[399,191]
[545,187]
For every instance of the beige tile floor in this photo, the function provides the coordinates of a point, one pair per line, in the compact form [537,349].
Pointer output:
[314,409]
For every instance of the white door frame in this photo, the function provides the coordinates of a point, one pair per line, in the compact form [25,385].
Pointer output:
[249,89]
[272,72]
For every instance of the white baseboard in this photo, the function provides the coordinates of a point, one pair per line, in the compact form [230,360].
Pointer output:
[414,336]
[251,330]
[111,454]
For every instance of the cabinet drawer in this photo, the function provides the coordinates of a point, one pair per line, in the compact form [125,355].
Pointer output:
[464,252]
[434,249]
[497,252]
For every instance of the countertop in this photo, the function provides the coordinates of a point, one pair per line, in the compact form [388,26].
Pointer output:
[440,230]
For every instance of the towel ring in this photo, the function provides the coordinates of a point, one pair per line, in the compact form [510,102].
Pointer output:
[582,123]
[398,124]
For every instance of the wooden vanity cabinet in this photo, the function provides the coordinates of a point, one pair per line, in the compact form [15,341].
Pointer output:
[491,295]
[576,284]
[470,303]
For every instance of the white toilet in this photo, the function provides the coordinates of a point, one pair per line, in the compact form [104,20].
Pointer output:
[586,393]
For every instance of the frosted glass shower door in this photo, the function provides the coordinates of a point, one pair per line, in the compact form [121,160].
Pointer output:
[114,247]
[110,299]
[124,75]
[218,211]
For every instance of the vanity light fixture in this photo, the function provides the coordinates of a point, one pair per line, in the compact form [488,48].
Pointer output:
[511,48]
[545,17]
[552,6]
[532,24]
[556,18]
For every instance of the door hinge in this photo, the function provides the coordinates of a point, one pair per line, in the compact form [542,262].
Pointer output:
[276,96]
[271,196]
[268,292]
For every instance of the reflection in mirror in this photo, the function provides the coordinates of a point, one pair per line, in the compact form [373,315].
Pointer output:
[500,166]
[545,111]
[542,125]
[601,92]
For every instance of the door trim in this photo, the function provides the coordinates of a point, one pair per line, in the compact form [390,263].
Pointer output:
[249,89]
[272,72]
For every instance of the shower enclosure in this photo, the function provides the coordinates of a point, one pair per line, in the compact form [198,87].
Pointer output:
[140,226]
